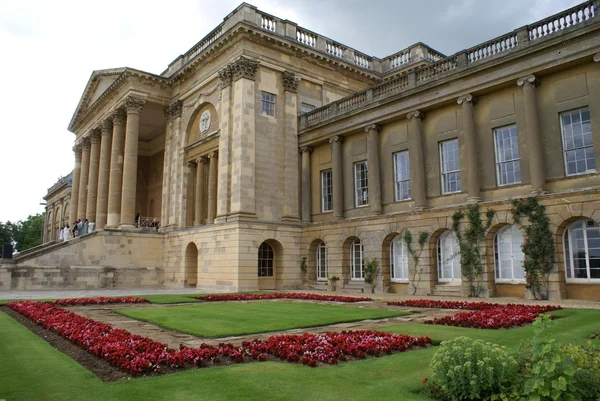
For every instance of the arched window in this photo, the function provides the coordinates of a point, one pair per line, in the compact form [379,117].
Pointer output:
[582,250]
[265,260]
[448,258]
[357,260]
[398,259]
[321,261]
[508,256]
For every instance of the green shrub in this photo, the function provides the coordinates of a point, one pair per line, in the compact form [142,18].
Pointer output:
[467,369]
[583,356]
[587,385]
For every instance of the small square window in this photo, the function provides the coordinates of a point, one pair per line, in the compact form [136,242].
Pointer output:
[361,184]
[578,146]
[326,191]
[267,104]
[450,167]
[402,175]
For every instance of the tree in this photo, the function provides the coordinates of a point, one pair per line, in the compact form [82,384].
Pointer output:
[6,233]
[28,233]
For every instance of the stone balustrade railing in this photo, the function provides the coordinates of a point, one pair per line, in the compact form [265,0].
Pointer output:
[59,183]
[440,67]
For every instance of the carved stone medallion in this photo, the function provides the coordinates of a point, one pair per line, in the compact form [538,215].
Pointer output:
[205,121]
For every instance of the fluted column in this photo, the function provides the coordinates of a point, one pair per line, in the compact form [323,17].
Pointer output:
[337,177]
[473,186]
[306,209]
[200,190]
[373,168]
[115,180]
[92,195]
[83,178]
[291,210]
[212,187]
[130,159]
[103,173]
[535,145]
[418,186]
[73,212]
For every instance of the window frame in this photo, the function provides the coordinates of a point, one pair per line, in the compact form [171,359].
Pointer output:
[265,102]
[362,189]
[404,258]
[324,195]
[361,257]
[443,173]
[500,163]
[262,259]
[321,247]
[397,181]
[565,150]
[569,265]
[441,257]
[497,267]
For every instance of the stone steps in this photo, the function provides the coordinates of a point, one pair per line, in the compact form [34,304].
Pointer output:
[447,290]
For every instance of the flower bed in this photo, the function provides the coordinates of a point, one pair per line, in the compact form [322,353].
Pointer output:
[100,301]
[136,354]
[291,295]
[482,315]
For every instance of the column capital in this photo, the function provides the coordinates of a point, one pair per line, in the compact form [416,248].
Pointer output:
[85,142]
[191,164]
[290,81]
[77,149]
[336,138]
[225,75]
[306,149]
[202,159]
[106,127]
[95,136]
[467,99]
[528,80]
[415,114]
[597,57]
[118,117]
[373,127]
[133,104]
[243,68]
[213,154]
[174,110]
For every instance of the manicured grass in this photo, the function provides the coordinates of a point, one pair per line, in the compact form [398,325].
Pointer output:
[33,370]
[231,319]
[170,298]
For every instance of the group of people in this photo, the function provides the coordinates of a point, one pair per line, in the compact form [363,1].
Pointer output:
[79,228]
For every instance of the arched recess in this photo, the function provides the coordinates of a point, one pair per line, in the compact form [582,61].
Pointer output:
[190,278]
[66,214]
[581,250]
[318,261]
[446,260]
[353,262]
[269,264]
[387,263]
[56,226]
[49,221]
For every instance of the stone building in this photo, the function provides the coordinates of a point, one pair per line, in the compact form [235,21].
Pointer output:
[267,144]
[57,211]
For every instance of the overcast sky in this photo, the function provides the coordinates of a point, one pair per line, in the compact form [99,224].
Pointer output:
[48,49]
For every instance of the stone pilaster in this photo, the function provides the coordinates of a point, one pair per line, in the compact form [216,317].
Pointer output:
[75,185]
[212,187]
[418,186]
[469,135]
[92,195]
[168,185]
[290,145]
[225,142]
[83,178]
[116,168]
[200,191]
[130,159]
[306,193]
[337,177]
[535,145]
[373,168]
[103,174]
[188,206]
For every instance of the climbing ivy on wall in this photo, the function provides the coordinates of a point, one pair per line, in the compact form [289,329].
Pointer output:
[414,273]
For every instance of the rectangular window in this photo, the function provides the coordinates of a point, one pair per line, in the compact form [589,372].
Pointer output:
[508,170]
[361,184]
[578,144]
[267,103]
[450,166]
[305,108]
[326,191]
[402,175]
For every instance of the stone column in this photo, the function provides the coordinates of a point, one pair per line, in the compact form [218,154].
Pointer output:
[92,195]
[418,186]
[290,147]
[337,177]
[115,180]
[103,173]
[212,188]
[130,159]
[73,212]
[306,197]
[83,178]
[200,191]
[169,185]
[373,168]
[225,140]
[469,134]
[188,207]
[535,144]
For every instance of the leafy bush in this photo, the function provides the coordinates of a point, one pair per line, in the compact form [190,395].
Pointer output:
[467,369]
[587,384]
[585,357]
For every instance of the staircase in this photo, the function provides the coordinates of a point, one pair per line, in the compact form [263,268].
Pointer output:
[319,286]
[447,290]
[354,287]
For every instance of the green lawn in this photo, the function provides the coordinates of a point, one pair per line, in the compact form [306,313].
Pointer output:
[231,319]
[30,369]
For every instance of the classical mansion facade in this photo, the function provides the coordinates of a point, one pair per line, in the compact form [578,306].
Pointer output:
[267,147]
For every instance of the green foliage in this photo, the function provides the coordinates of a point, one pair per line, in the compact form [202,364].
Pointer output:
[6,233]
[468,369]
[469,241]
[303,266]
[587,385]
[28,233]
[371,269]
[584,356]
[538,247]
[550,374]
[414,273]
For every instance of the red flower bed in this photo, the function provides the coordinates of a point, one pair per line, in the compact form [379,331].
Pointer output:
[483,315]
[291,295]
[100,301]
[137,354]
